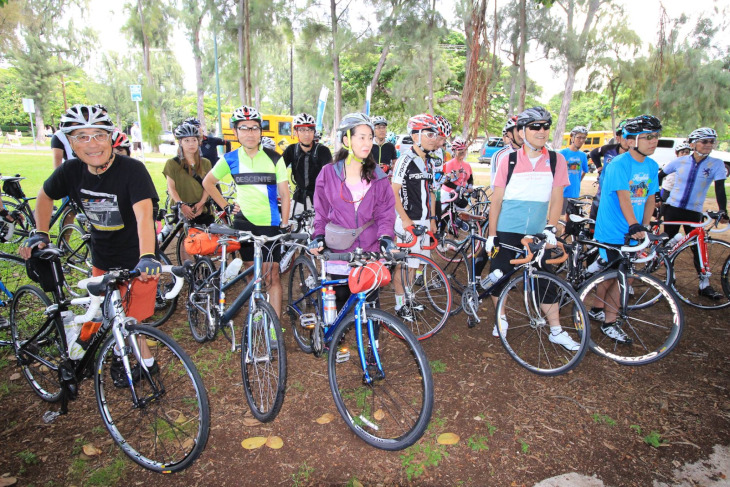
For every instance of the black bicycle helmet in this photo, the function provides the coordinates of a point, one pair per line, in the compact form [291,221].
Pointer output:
[535,114]
[643,124]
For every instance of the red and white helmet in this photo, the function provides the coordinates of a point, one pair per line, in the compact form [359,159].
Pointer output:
[458,144]
[443,125]
[120,139]
[424,121]
[245,113]
[303,120]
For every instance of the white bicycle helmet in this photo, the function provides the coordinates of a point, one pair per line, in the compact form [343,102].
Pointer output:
[84,117]
[186,130]
[682,146]
[268,143]
[303,120]
[702,133]
[444,126]
[244,113]
[352,120]
[579,129]
[380,120]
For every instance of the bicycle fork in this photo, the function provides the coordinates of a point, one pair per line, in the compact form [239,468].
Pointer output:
[360,317]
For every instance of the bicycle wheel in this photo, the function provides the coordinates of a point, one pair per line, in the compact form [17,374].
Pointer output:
[457,273]
[427,295]
[23,225]
[457,237]
[168,428]
[12,276]
[532,309]
[654,330]
[303,278]
[725,275]
[202,300]
[393,410]
[39,357]
[263,363]
[164,308]
[686,280]
[76,259]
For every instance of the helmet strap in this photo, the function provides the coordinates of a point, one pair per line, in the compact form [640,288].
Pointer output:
[102,169]
[525,142]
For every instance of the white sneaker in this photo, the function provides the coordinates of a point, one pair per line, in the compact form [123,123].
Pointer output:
[564,340]
[503,324]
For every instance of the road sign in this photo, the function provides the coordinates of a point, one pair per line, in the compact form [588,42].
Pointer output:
[136,92]
[28,106]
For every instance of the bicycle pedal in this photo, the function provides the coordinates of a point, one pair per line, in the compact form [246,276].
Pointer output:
[343,355]
[50,416]
[308,321]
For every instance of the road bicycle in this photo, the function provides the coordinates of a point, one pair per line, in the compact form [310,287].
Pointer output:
[263,356]
[158,414]
[456,229]
[12,276]
[649,318]
[379,376]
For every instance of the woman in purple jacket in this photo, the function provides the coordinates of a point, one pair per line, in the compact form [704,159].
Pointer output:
[353,193]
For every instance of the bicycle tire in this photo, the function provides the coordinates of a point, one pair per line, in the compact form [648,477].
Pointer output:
[655,330]
[169,428]
[303,277]
[27,316]
[457,273]
[164,308]
[427,297]
[264,397]
[12,275]
[202,292]
[527,307]
[76,259]
[725,276]
[393,411]
[23,226]
[686,280]
[447,254]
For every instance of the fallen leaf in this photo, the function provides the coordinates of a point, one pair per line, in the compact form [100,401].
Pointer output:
[188,444]
[90,450]
[253,442]
[325,418]
[488,355]
[356,483]
[251,422]
[43,368]
[477,418]
[379,414]
[151,343]
[274,442]
[5,481]
[15,376]
[180,418]
[448,439]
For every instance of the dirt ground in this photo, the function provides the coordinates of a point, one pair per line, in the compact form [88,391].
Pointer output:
[625,426]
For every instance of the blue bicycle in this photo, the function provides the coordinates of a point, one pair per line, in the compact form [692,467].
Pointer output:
[379,375]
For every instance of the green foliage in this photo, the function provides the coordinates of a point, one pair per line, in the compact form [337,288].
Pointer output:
[524,446]
[108,475]
[416,458]
[28,457]
[478,443]
[603,419]
[302,475]
[438,366]
[654,439]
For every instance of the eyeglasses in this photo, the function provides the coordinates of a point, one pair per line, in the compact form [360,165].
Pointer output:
[705,141]
[85,139]
[653,136]
[250,130]
[537,126]
[429,135]
[305,130]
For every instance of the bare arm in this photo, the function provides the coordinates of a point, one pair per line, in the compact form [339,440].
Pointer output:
[209,185]
[407,222]
[494,209]
[57,157]
[285,202]
[556,205]
[145,230]
[624,200]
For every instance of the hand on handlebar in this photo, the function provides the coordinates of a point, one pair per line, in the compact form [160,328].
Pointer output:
[637,231]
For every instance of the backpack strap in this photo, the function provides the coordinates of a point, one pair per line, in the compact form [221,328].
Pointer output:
[194,175]
[513,162]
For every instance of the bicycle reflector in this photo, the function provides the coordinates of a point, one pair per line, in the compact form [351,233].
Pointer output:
[368,277]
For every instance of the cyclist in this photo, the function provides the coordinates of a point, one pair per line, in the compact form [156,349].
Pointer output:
[512,142]
[528,191]
[136,134]
[383,151]
[415,202]
[577,163]
[352,193]
[607,152]
[261,178]
[120,143]
[306,159]
[462,168]
[667,183]
[209,145]
[629,185]
[695,174]
[117,195]
[268,143]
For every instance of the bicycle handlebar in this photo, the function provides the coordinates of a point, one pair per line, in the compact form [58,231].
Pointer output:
[529,242]
[417,231]
[526,242]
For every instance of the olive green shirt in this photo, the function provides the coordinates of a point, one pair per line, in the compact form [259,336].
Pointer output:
[188,188]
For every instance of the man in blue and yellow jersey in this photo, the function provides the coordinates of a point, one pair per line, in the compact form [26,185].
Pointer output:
[261,179]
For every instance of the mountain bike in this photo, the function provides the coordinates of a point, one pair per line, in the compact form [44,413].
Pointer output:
[379,375]
[157,413]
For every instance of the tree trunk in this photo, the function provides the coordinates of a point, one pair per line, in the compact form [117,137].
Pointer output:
[199,74]
[241,56]
[247,45]
[257,97]
[523,48]
[145,46]
[40,126]
[386,47]
[336,65]
[430,81]
[514,69]
[564,108]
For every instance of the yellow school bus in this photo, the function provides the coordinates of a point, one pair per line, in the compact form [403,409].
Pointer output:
[594,139]
[278,127]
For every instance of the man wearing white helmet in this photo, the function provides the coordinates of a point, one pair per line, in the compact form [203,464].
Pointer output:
[383,151]
[695,173]
[577,163]
[306,159]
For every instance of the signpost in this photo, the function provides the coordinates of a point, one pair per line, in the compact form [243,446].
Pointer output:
[136,92]
[29,108]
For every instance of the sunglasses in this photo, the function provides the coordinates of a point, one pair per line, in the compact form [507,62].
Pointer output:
[248,130]
[429,135]
[653,136]
[706,141]
[537,126]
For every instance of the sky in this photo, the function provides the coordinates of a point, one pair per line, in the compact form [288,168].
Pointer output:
[642,16]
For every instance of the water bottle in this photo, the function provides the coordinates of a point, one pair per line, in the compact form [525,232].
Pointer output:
[72,330]
[330,305]
[492,279]
[597,266]
[674,241]
[286,259]
[164,232]
[232,270]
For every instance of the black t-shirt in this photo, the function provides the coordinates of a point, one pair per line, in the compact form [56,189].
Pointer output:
[384,154]
[306,166]
[107,201]
[57,144]
[208,148]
